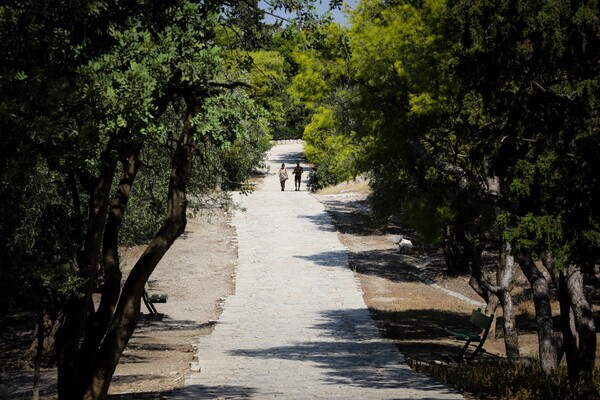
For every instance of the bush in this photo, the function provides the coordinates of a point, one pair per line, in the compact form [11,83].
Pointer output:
[499,379]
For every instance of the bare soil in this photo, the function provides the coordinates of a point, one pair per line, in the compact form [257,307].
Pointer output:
[411,298]
[197,273]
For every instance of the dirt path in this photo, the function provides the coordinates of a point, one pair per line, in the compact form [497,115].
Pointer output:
[198,274]
[297,326]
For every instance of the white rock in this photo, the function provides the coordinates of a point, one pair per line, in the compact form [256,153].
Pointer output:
[405,246]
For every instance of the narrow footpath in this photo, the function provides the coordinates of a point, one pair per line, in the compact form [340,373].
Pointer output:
[297,326]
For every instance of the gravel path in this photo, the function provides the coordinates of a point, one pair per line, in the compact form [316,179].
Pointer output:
[297,326]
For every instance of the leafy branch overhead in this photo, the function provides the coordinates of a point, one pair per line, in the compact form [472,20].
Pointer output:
[120,119]
[477,125]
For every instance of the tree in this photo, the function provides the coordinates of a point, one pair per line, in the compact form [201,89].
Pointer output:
[536,74]
[94,98]
[322,85]
[108,106]
[420,152]
[484,116]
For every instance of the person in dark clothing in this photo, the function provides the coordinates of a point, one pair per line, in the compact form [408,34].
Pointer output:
[297,172]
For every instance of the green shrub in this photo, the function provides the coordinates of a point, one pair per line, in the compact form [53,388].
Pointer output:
[499,379]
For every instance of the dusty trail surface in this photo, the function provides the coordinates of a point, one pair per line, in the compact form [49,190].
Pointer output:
[199,273]
[297,326]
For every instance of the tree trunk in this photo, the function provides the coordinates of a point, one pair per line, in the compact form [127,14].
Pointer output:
[549,339]
[456,254]
[576,321]
[98,323]
[79,307]
[128,307]
[511,335]
[43,350]
[569,331]
[505,276]
[582,366]
[567,319]
[37,363]
[504,281]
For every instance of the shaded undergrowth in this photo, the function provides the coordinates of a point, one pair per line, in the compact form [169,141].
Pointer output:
[499,379]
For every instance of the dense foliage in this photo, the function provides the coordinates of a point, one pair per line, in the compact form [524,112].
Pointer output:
[477,123]
[118,120]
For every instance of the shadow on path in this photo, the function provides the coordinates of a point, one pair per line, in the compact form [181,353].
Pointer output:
[194,392]
[290,158]
[321,220]
[420,333]
[348,354]
[336,258]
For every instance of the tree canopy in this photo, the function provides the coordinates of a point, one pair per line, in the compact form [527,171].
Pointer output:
[118,119]
[477,124]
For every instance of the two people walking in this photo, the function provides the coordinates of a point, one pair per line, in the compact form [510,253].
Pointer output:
[283,176]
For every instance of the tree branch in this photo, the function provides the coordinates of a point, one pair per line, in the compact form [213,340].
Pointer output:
[128,308]
[466,183]
[230,85]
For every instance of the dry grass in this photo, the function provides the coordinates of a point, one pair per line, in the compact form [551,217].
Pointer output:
[358,185]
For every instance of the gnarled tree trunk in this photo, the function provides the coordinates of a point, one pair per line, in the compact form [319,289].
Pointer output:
[577,322]
[127,310]
[580,364]
[73,318]
[549,340]
[505,276]
[584,322]
[501,290]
